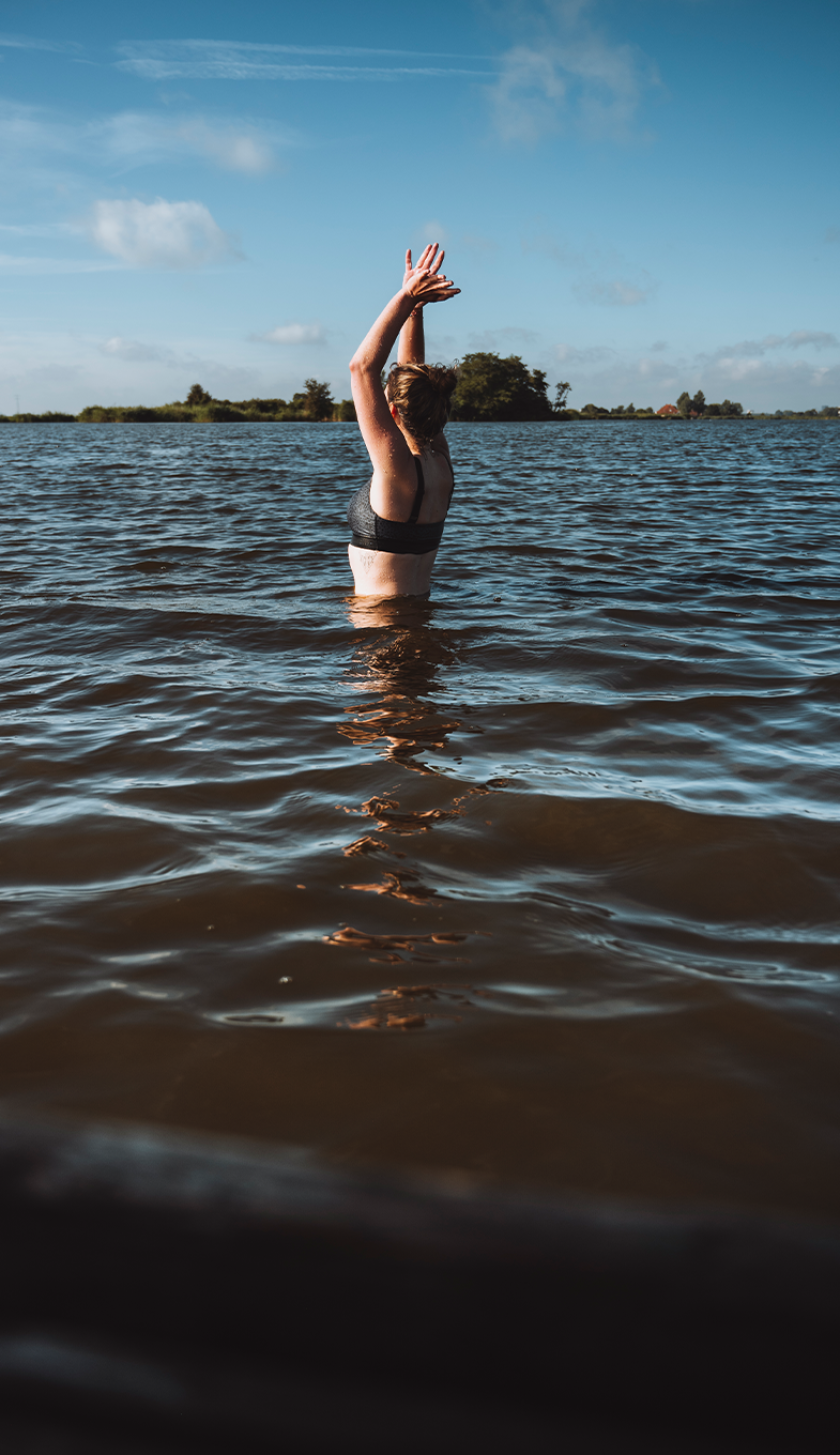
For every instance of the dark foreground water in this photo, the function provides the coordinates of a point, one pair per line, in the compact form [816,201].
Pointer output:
[539,879]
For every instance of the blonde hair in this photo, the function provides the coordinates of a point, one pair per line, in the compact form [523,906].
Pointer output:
[421,393]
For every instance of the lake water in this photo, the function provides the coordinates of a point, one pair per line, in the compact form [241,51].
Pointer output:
[538,880]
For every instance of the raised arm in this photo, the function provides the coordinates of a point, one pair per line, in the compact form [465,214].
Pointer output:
[412,345]
[422,284]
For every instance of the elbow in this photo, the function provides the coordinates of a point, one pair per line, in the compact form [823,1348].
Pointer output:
[356,366]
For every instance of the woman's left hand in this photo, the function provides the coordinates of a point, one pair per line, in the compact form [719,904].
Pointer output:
[424,282]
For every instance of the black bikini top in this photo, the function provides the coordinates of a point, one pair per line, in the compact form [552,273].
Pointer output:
[401,537]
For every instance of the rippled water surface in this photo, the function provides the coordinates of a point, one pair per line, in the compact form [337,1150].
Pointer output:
[537,879]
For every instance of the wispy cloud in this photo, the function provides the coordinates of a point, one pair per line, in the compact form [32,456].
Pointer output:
[36,229]
[800,338]
[565,72]
[773,376]
[138,138]
[567,354]
[35,43]
[189,365]
[615,292]
[160,234]
[810,338]
[293,333]
[494,339]
[131,351]
[557,249]
[212,60]
[33,135]
[433,231]
[602,273]
[236,151]
[37,267]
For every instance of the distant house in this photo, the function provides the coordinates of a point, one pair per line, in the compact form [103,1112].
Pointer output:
[668,409]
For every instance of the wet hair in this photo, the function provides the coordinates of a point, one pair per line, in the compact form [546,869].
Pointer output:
[422,393]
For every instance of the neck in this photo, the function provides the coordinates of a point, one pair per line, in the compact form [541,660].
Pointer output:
[413,444]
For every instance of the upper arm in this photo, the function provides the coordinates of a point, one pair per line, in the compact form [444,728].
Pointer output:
[385,444]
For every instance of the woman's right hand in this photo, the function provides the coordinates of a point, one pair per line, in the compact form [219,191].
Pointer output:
[424,282]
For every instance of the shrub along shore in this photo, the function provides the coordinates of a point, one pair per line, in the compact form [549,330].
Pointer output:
[490,389]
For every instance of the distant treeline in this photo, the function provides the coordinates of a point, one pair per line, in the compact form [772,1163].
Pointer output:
[314,403]
[490,389]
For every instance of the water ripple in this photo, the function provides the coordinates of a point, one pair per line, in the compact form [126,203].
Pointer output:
[573,821]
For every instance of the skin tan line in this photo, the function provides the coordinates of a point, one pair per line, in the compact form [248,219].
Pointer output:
[389,444]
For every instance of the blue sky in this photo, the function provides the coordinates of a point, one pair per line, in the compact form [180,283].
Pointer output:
[638,197]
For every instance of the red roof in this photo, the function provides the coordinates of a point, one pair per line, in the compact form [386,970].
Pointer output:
[668,409]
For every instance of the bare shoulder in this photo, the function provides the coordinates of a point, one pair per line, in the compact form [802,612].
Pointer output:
[441,445]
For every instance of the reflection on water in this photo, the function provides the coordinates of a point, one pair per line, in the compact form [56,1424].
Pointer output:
[399,663]
[570,826]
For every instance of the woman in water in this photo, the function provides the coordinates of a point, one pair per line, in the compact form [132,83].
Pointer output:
[397,519]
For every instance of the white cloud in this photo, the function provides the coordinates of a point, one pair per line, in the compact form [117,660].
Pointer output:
[592,263]
[30,135]
[160,234]
[527,99]
[236,152]
[222,379]
[433,231]
[815,339]
[133,352]
[68,370]
[35,229]
[595,354]
[782,379]
[36,267]
[495,339]
[557,248]
[756,348]
[212,60]
[615,293]
[567,72]
[141,138]
[293,333]
[30,43]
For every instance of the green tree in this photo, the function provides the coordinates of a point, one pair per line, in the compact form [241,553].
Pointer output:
[684,404]
[730,409]
[698,403]
[315,403]
[561,395]
[493,388]
[198,396]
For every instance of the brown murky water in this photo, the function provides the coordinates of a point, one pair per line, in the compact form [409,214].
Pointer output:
[536,880]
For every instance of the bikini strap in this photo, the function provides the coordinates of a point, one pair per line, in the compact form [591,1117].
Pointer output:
[420,492]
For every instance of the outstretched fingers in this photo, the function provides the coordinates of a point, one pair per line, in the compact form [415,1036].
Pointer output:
[424,279]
